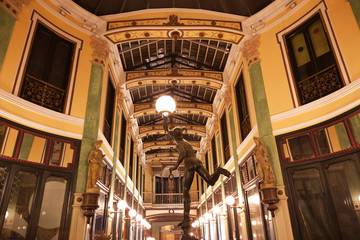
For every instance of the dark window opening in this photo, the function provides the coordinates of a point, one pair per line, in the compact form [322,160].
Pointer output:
[109,111]
[48,70]
[313,63]
[122,140]
[213,151]
[242,108]
[225,139]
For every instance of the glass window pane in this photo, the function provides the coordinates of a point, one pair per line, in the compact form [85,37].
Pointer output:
[19,208]
[355,127]
[3,174]
[300,49]
[318,39]
[51,209]
[312,207]
[322,142]
[257,226]
[99,214]
[338,137]
[301,147]
[344,181]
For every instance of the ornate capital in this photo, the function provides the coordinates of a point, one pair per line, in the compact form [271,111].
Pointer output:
[101,50]
[121,96]
[14,6]
[226,95]
[250,50]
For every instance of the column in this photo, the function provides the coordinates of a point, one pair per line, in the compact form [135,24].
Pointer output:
[9,9]
[251,54]
[90,133]
[113,174]
[355,6]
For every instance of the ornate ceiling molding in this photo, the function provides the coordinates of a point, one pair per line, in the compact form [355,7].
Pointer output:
[167,76]
[161,28]
[147,146]
[203,109]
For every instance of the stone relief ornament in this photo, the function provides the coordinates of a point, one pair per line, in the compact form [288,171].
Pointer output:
[264,166]
[101,50]
[250,50]
[14,6]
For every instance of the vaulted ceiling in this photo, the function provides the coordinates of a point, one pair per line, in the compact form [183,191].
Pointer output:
[238,7]
[183,58]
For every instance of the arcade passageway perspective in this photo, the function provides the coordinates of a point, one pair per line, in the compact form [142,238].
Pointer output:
[268,90]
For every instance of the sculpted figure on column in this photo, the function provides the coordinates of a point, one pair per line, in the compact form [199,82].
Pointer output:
[264,166]
[95,165]
[191,165]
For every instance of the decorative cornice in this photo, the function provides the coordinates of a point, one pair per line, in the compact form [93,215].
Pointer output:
[14,6]
[250,50]
[101,50]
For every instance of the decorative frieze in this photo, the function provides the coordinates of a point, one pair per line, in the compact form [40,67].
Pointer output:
[250,50]
[101,50]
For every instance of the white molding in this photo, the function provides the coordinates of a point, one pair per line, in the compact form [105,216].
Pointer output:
[247,140]
[38,126]
[8,97]
[318,119]
[90,22]
[105,142]
[322,8]
[320,102]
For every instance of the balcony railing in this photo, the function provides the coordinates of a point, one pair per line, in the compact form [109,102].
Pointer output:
[319,84]
[43,93]
[172,198]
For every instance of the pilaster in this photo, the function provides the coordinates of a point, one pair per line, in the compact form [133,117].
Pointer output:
[78,229]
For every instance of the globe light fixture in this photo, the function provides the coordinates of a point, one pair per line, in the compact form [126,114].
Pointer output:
[207,216]
[122,205]
[230,200]
[201,219]
[132,213]
[216,210]
[138,218]
[165,105]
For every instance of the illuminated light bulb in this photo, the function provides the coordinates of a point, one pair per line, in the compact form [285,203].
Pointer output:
[207,216]
[138,218]
[216,210]
[122,205]
[132,213]
[165,105]
[230,200]
[201,219]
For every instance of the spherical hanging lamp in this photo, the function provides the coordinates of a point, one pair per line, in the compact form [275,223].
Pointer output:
[165,105]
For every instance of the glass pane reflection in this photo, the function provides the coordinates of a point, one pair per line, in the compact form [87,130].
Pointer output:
[51,209]
[344,181]
[312,205]
[19,207]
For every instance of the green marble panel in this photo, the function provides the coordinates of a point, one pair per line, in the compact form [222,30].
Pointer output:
[7,23]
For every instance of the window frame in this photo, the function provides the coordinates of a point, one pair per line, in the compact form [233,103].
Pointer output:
[320,9]
[36,18]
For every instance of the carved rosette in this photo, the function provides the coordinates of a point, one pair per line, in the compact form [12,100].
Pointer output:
[101,50]
[14,6]
[250,50]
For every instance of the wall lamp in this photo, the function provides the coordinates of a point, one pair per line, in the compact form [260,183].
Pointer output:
[230,201]
[122,205]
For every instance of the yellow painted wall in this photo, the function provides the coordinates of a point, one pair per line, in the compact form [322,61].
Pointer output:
[273,69]
[13,58]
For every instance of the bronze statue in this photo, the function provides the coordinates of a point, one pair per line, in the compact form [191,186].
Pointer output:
[95,165]
[192,165]
[264,167]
